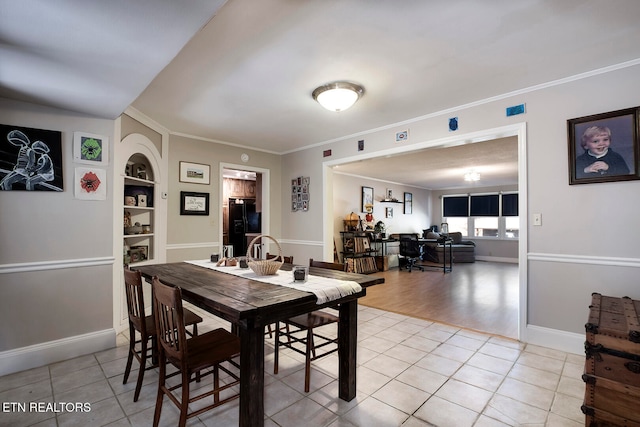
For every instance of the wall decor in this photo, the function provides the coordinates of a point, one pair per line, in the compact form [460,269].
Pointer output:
[367,198]
[388,212]
[194,203]
[90,148]
[30,159]
[604,147]
[300,194]
[408,203]
[195,173]
[90,184]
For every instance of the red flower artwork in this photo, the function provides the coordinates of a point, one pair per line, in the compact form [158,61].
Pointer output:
[90,182]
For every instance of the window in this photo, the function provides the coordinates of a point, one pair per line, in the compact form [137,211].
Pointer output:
[492,215]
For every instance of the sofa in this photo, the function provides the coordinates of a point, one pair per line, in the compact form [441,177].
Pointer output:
[463,250]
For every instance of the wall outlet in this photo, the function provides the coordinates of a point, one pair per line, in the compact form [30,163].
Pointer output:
[537,219]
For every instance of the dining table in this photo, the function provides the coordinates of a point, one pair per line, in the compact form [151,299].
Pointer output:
[250,304]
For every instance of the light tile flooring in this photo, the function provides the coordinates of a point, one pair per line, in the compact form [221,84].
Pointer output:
[411,373]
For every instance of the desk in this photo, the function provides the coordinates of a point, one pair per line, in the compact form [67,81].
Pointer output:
[383,243]
[446,243]
[251,305]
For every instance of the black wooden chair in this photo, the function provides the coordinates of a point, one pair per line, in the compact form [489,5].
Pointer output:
[145,326]
[299,335]
[213,351]
[410,250]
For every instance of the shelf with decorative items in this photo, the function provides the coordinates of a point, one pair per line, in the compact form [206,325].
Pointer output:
[139,212]
[357,252]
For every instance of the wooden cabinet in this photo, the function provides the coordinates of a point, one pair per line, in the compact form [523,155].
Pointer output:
[139,212]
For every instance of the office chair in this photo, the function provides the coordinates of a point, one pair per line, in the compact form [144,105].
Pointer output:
[410,249]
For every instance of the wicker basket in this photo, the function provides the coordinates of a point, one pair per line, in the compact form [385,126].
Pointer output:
[264,267]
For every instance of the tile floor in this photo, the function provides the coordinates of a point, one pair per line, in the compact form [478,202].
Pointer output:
[411,373]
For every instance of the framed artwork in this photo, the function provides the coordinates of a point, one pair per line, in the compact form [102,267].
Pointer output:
[30,159]
[367,197]
[604,147]
[300,194]
[408,203]
[195,173]
[389,194]
[388,212]
[90,148]
[90,183]
[194,203]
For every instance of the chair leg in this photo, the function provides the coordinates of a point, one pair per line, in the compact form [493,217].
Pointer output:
[307,361]
[160,395]
[216,384]
[184,403]
[143,365]
[132,349]
[195,334]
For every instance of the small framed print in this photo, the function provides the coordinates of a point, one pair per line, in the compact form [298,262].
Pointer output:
[142,200]
[194,203]
[408,203]
[195,173]
[367,198]
[90,148]
[389,212]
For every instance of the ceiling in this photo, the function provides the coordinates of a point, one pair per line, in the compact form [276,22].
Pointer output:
[242,71]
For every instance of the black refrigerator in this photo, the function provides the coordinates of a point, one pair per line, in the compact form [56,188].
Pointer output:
[243,219]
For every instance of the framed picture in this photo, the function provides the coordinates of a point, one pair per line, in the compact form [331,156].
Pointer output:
[300,193]
[90,148]
[30,159]
[389,194]
[194,203]
[604,147]
[388,212]
[367,197]
[90,183]
[408,203]
[195,173]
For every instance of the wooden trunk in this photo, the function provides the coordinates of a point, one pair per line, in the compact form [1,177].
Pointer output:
[613,396]
[612,365]
[601,418]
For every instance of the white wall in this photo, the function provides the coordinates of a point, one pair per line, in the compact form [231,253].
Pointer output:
[586,228]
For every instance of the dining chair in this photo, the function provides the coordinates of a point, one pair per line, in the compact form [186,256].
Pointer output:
[213,351]
[410,249]
[299,334]
[145,326]
[330,265]
[285,259]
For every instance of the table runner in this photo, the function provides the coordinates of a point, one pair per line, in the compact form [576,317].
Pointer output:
[325,289]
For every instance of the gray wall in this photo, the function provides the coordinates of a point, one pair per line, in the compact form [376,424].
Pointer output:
[57,251]
[591,224]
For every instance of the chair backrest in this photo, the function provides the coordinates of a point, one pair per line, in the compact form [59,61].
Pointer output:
[169,316]
[329,265]
[409,245]
[135,299]
[285,259]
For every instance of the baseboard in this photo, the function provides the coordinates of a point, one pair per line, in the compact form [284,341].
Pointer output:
[553,338]
[37,355]
[496,259]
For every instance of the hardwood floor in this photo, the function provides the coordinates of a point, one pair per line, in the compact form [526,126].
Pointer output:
[482,296]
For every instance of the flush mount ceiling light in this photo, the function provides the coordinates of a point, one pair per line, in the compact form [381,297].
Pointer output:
[472,176]
[338,96]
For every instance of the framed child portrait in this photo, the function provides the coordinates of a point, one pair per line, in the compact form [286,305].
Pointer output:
[604,147]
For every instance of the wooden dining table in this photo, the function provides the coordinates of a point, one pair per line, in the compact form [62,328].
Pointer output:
[250,305]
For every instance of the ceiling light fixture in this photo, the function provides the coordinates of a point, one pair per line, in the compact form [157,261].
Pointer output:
[472,176]
[338,96]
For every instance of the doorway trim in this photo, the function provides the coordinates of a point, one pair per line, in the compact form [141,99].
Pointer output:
[265,217]
[518,129]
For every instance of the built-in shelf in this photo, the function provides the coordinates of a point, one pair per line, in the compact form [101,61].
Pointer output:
[141,235]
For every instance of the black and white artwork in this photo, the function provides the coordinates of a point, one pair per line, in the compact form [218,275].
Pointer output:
[30,159]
